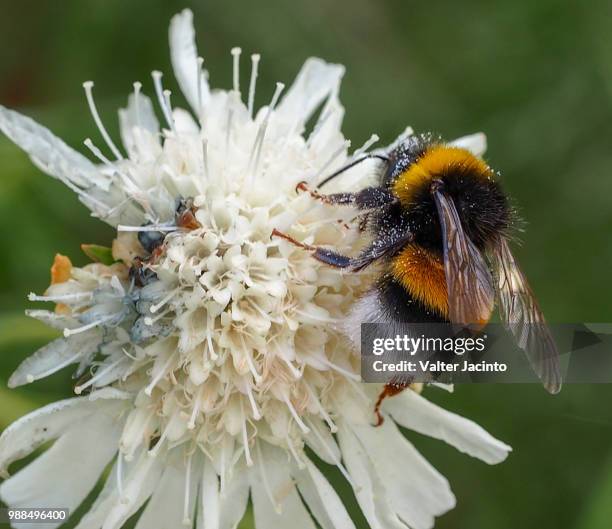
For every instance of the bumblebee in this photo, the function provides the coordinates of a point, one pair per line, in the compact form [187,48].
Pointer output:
[439,225]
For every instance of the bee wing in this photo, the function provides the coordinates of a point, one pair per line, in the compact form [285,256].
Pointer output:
[522,316]
[468,279]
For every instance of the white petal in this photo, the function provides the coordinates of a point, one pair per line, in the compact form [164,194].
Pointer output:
[416,490]
[138,486]
[413,411]
[369,489]
[29,432]
[210,505]
[85,449]
[327,449]
[135,119]
[139,480]
[234,498]
[49,152]
[184,55]
[53,319]
[109,393]
[165,508]
[475,143]
[55,356]
[322,499]
[185,124]
[288,509]
[316,81]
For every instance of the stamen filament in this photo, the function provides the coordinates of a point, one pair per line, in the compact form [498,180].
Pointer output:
[31,378]
[254,408]
[196,409]
[165,299]
[294,370]
[167,94]
[61,297]
[160,375]
[77,330]
[341,370]
[88,86]
[261,133]
[322,412]
[236,68]
[137,88]
[253,82]
[99,374]
[371,141]
[332,454]
[130,184]
[149,227]
[295,415]
[298,460]
[211,350]
[249,361]
[159,90]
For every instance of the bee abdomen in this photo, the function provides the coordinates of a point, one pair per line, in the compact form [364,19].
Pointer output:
[420,273]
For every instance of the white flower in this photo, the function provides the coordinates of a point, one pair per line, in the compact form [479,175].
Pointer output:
[213,363]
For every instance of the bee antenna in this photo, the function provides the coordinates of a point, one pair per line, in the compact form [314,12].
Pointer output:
[352,164]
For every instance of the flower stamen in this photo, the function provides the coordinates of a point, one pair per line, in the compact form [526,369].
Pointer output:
[88,86]
[162,372]
[295,415]
[99,374]
[77,296]
[261,133]
[137,88]
[69,332]
[371,141]
[253,82]
[236,68]
[298,460]
[159,90]
[331,454]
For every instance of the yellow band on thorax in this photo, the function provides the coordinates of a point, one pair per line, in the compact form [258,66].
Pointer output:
[437,162]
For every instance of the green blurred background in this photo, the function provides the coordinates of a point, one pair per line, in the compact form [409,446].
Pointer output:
[535,75]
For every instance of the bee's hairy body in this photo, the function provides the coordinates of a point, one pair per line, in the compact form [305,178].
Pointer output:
[412,286]
[438,222]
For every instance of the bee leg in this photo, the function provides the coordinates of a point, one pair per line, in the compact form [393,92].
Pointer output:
[344,199]
[329,257]
[367,198]
[391,389]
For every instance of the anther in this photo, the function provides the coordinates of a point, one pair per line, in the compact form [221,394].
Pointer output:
[253,82]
